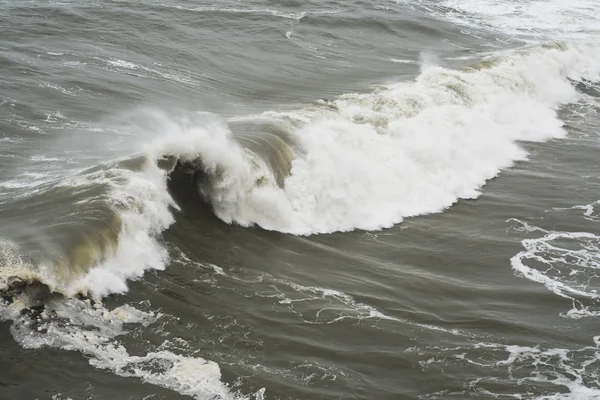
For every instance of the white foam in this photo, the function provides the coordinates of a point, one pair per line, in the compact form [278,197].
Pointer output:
[19,184]
[123,64]
[314,305]
[295,16]
[535,19]
[591,212]
[567,263]
[558,373]
[413,149]
[43,158]
[403,61]
[58,88]
[75,325]
[143,202]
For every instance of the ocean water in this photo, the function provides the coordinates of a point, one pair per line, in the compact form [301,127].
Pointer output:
[299,200]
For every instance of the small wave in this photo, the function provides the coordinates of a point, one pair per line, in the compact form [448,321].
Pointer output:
[125,207]
[313,304]
[119,64]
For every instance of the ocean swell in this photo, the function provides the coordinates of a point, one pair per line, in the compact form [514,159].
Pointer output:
[359,161]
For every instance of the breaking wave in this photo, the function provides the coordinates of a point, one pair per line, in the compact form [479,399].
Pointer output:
[366,161]
[359,161]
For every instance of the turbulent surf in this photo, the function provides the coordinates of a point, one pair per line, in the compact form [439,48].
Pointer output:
[360,161]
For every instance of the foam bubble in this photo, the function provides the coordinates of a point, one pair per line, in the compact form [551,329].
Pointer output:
[591,212]
[13,266]
[567,264]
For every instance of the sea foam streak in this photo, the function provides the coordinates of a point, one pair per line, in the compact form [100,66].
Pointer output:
[558,373]
[94,331]
[567,263]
